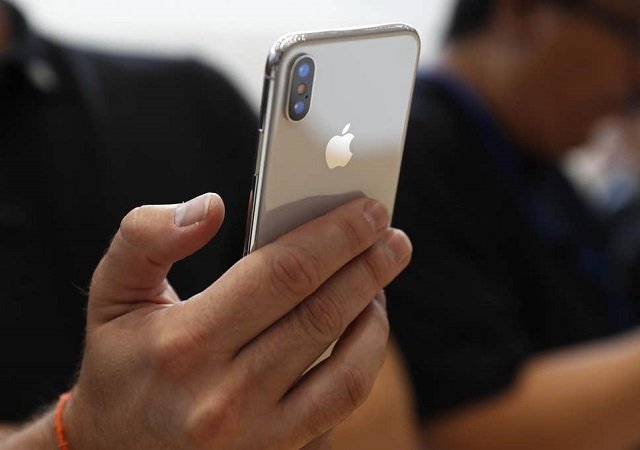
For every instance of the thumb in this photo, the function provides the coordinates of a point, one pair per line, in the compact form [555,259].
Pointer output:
[150,239]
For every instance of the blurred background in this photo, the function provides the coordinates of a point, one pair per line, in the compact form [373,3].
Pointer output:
[233,35]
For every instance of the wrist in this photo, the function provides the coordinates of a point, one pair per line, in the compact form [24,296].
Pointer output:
[38,435]
[61,437]
[79,431]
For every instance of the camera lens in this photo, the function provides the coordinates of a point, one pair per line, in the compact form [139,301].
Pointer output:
[304,70]
[298,108]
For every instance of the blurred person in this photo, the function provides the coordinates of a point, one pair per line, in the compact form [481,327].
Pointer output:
[209,372]
[84,137]
[518,327]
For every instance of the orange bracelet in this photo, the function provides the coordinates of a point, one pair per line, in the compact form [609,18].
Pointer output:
[59,427]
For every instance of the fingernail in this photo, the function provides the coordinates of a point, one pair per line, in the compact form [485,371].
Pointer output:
[398,245]
[193,211]
[376,215]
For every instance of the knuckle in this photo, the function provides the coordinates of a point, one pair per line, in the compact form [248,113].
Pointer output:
[295,272]
[356,385]
[219,421]
[172,355]
[374,272]
[380,320]
[322,318]
[354,237]
[130,229]
[321,417]
[317,424]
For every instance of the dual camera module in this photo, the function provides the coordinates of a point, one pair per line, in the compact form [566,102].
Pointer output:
[301,87]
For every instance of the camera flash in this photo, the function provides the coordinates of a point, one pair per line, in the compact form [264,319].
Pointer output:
[301,89]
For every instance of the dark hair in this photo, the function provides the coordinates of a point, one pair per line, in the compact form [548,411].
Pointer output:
[470,16]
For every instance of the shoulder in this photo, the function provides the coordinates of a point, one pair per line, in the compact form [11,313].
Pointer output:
[446,164]
[153,86]
[437,120]
[144,72]
[443,152]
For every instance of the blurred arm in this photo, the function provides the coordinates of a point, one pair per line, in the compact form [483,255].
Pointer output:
[587,398]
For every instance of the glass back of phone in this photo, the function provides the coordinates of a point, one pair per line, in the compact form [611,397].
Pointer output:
[349,144]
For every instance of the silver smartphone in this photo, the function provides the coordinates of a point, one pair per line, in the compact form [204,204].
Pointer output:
[333,120]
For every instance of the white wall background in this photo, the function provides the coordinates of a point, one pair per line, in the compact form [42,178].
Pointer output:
[235,35]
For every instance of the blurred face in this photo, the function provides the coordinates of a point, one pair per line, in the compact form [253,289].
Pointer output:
[584,65]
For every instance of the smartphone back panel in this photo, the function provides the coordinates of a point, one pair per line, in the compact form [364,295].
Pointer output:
[350,142]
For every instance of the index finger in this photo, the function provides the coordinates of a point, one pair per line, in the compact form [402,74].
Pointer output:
[267,284]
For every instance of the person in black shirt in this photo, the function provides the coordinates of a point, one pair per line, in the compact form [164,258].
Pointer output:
[517,324]
[100,133]
[85,137]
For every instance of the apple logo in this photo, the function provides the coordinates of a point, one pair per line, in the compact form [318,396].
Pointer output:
[338,152]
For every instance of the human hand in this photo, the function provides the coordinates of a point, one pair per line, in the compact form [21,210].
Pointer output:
[222,369]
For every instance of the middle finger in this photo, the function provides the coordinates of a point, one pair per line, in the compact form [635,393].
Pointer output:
[277,358]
